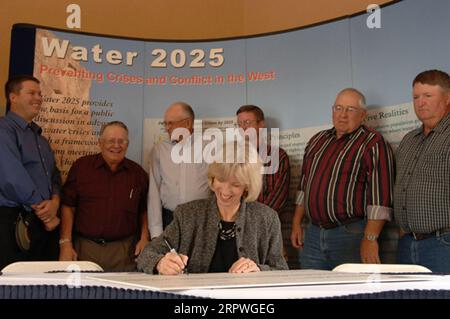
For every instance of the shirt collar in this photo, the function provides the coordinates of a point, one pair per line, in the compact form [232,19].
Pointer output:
[443,124]
[100,161]
[418,131]
[332,131]
[22,123]
[189,139]
[266,153]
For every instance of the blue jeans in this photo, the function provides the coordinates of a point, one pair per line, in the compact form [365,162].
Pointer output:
[433,253]
[328,248]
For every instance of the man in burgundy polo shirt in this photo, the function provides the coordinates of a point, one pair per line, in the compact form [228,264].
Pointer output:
[345,189]
[104,205]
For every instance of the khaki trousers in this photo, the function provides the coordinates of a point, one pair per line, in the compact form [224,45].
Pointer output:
[111,256]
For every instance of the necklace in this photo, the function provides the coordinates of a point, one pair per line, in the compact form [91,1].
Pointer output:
[228,232]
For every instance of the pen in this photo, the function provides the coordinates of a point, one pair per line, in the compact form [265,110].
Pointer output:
[131,193]
[172,250]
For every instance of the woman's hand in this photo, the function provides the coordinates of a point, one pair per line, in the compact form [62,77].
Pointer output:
[243,265]
[172,264]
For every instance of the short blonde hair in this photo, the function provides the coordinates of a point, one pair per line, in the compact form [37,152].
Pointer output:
[245,168]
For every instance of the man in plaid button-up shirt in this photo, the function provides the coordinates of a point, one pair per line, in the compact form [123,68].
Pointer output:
[275,189]
[422,190]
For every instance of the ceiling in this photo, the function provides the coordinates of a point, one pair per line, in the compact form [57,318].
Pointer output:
[185,19]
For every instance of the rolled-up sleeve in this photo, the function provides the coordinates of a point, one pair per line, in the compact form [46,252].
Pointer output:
[380,181]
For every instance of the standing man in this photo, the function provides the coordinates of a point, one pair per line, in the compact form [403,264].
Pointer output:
[104,205]
[173,183]
[422,189]
[30,182]
[275,188]
[345,189]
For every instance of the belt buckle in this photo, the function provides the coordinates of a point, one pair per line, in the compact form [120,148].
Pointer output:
[100,241]
[327,226]
[419,236]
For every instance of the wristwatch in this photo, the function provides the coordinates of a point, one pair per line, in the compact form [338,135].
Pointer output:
[371,237]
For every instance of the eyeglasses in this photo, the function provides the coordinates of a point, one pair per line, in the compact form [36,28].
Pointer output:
[346,108]
[171,123]
[246,123]
[113,141]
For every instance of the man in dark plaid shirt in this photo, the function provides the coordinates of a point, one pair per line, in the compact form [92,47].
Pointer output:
[422,189]
[275,189]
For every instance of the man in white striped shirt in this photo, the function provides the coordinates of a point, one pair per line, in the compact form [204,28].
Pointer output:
[173,183]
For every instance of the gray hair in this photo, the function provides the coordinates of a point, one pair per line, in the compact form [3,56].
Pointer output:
[362,98]
[113,123]
[186,109]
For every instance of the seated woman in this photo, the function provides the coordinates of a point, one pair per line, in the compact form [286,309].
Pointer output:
[228,232]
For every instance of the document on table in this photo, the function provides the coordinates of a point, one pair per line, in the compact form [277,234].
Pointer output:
[255,279]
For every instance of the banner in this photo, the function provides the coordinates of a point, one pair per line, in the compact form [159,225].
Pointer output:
[88,81]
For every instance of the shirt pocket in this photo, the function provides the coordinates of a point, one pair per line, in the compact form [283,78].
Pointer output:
[436,167]
[353,169]
[133,200]
[92,191]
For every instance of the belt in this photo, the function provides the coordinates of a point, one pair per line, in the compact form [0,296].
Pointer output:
[102,241]
[337,224]
[422,236]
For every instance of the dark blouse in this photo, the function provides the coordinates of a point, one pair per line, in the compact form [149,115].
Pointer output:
[226,251]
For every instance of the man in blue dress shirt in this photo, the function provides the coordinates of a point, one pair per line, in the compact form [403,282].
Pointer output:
[29,179]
